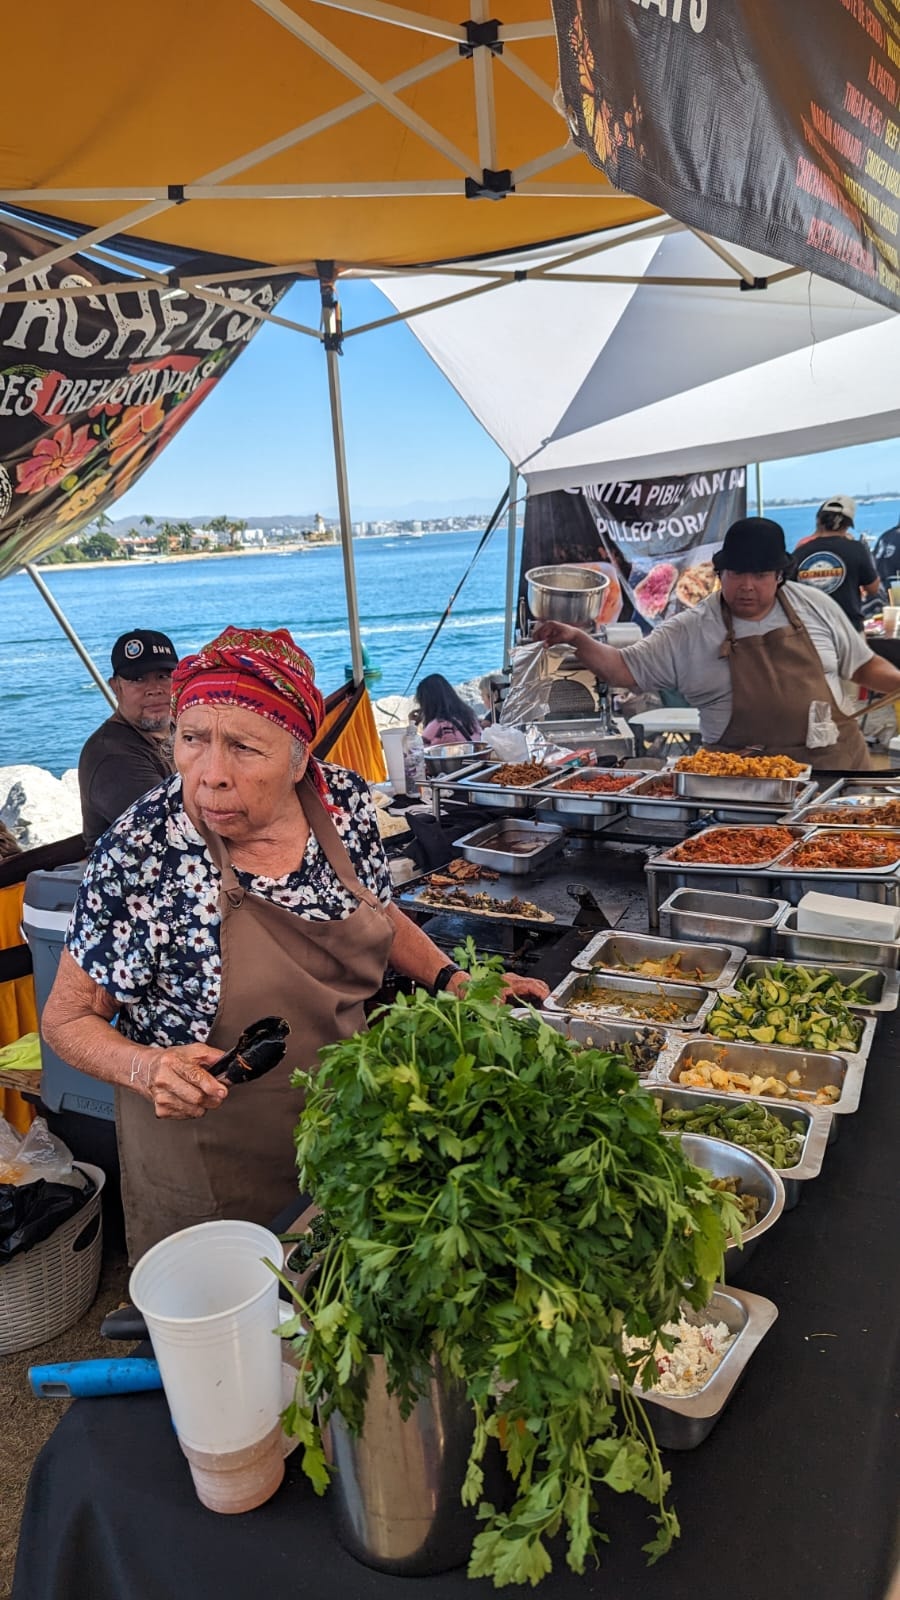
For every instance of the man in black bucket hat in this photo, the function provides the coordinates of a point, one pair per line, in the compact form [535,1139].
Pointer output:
[761,658]
[131,752]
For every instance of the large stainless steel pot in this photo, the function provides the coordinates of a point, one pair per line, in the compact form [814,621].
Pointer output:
[565,594]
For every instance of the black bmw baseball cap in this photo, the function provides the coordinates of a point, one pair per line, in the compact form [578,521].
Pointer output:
[141,651]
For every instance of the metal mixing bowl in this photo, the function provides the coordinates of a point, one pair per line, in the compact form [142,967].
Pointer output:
[565,594]
[443,758]
[724,1160]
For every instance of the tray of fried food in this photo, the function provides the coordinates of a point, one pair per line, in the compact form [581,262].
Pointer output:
[853,811]
[725,775]
[739,846]
[856,850]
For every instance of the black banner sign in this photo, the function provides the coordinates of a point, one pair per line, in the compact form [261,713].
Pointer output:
[93,387]
[654,539]
[772,124]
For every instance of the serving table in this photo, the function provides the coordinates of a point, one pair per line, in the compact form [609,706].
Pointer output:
[792,1497]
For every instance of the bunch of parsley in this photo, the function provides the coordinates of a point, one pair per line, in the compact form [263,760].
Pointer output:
[505,1204]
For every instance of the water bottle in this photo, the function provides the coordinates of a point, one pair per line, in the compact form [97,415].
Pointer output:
[413,759]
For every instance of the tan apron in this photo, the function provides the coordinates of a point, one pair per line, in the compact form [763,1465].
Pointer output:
[238,1160]
[774,678]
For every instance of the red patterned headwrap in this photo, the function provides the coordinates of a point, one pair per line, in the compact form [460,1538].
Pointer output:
[266,673]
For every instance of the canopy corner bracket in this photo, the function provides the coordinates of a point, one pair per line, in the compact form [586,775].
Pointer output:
[492,186]
[481,36]
[750,288]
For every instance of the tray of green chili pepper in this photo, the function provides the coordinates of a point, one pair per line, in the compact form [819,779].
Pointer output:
[792,1138]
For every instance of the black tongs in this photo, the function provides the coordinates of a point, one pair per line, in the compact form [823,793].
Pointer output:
[259,1049]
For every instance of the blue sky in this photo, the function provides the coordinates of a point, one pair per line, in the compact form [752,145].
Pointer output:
[261,443]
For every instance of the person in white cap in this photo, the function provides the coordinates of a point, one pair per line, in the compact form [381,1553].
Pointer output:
[834,562]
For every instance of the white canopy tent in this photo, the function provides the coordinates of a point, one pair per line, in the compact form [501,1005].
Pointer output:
[657,351]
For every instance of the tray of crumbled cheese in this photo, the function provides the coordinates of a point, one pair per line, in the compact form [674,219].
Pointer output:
[691,1383]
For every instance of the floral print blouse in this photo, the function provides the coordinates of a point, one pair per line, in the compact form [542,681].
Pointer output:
[145,925]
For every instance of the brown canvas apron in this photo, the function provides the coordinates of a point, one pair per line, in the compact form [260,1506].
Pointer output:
[774,678]
[238,1160]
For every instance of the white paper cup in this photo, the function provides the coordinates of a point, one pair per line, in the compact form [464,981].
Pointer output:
[211,1308]
[889,616]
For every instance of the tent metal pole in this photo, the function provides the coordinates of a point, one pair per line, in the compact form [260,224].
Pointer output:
[759,490]
[70,633]
[331,324]
[509,611]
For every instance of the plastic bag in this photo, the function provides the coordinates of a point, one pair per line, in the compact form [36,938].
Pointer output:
[30,1212]
[507,744]
[528,699]
[821,729]
[38,1155]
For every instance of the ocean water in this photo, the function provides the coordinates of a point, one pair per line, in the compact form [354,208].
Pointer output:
[49,704]
[872,517]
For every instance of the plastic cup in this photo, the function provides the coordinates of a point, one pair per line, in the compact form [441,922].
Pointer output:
[211,1308]
[889,615]
[392,745]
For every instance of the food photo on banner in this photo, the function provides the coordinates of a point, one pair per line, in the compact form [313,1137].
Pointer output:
[773,126]
[93,386]
[653,539]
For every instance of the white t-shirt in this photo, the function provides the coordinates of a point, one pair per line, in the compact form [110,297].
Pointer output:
[683,653]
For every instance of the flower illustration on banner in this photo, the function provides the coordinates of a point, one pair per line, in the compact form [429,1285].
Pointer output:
[135,431]
[53,459]
[84,498]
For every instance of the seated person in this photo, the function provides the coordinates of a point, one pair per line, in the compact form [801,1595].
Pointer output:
[446,719]
[132,751]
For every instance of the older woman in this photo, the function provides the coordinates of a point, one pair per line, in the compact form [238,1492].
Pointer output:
[252,882]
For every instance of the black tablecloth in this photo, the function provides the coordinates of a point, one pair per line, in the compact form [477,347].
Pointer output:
[792,1497]
[888,648]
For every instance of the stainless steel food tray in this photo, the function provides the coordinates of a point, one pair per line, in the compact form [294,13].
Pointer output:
[610,951]
[606,1033]
[479,788]
[668,857]
[638,803]
[816,1122]
[861,872]
[881,990]
[414,899]
[816,1068]
[767,791]
[862,805]
[683,1423]
[819,947]
[577,986]
[558,798]
[734,919]
[512,846]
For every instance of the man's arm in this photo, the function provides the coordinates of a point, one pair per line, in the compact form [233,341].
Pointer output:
[878,675]
[602,659]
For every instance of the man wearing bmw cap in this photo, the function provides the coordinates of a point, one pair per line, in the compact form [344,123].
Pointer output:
[131,752]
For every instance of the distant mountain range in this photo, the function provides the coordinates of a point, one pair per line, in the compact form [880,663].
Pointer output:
[415,509]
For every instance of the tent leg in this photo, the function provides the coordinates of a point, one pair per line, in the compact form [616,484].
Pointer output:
[70,633]
[759,491]
[331,323]
[509,612]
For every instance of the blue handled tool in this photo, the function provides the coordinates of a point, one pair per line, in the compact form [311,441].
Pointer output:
[65,1380]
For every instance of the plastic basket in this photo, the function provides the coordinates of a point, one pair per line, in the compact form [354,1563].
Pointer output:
[46,1289]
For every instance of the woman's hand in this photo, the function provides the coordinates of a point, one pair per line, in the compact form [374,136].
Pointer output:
[515,987]
[175,1081]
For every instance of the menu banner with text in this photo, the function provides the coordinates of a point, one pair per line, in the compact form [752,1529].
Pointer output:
[772,125]
[653,539]
[93,386]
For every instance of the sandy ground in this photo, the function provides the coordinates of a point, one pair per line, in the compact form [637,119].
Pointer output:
[26,1423]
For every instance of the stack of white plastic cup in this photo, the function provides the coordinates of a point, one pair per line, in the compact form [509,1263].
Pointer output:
[211,1308]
